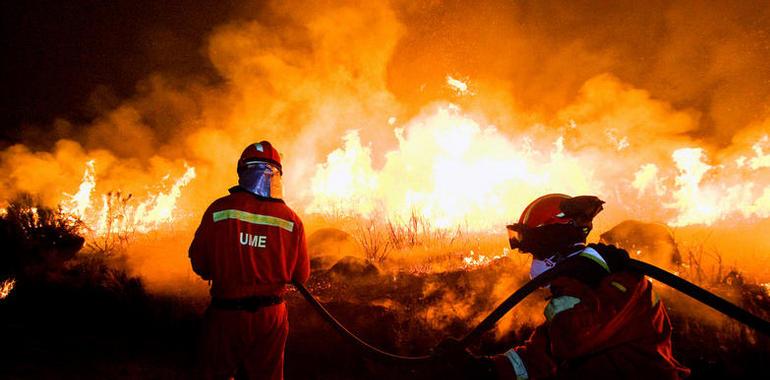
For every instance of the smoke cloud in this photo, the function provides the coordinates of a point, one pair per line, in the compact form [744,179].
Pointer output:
[302,74]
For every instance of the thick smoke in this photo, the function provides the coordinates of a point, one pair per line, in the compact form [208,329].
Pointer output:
[707,59]
[301,74]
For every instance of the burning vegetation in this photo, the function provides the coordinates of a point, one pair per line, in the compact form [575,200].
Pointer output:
[6,287]
[406,153]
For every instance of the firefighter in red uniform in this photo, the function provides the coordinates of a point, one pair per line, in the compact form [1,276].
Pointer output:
[602,322]
[249,245]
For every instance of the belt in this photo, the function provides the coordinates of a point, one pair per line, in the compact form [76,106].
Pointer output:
[245,304]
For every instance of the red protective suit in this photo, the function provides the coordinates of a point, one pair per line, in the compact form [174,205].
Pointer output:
[247,246]
[602,323]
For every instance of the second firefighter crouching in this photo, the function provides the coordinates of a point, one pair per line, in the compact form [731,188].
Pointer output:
[602,321]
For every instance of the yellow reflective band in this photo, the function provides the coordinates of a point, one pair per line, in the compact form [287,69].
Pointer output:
[248,217]
[518,365]
[619,286]
[559,304]
[596,259]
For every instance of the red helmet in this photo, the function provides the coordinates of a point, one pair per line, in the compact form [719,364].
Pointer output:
[262,151]
[544,210]
[554,222]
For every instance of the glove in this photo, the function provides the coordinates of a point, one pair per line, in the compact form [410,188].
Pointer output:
[453,361]
[616,257]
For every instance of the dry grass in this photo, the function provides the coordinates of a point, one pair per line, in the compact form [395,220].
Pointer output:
[414,244]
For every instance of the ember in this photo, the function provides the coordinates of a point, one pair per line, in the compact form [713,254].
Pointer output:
[458,85]
[6,287]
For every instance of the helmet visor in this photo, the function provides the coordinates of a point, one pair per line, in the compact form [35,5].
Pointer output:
[261,178]
[515,235]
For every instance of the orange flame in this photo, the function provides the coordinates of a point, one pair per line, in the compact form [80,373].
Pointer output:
[704,193]
[6,287]
[78,204]
[450,169]
[473,260]
[157,210]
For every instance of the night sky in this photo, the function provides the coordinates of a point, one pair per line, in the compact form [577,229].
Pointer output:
[73,59]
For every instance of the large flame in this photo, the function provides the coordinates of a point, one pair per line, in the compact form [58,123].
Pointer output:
[117,213]
[448,169]
[734,190]
[159,208]
[78,203]
[454,171]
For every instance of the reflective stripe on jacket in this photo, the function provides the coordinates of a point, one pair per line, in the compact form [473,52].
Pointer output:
[249,245]
[601,323]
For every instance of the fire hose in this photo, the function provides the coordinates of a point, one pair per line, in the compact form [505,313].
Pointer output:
[707,298]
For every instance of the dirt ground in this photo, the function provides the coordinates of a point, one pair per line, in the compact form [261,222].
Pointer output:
[101,335]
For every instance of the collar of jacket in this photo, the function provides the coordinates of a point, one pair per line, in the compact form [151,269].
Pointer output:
[238,189]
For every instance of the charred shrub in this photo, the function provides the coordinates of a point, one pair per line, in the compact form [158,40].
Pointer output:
[36,240]
[43,249]
[76,310]
[647,241]
[354,267]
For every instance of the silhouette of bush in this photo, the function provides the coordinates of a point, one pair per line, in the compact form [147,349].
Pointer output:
[36,240]
[43,249]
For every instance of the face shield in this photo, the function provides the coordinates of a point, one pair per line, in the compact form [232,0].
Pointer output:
[545,241]
[539,266]
[262,179]
[515,235]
